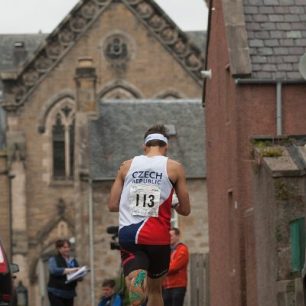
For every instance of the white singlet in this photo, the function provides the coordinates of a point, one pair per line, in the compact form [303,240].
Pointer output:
[145,203]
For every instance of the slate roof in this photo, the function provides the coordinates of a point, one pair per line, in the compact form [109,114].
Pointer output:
[7,41]
[117,135]
[276,31]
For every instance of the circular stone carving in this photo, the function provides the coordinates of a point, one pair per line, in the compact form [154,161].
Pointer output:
[180,47]
[144,9]
[169,35]
[66,37]
[116,48]
[43,63]
[157,22]
[54,50]
[193,62]
[89,10]
[30,77]
[77,23]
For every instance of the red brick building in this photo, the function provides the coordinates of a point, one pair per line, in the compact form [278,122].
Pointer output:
[253,50]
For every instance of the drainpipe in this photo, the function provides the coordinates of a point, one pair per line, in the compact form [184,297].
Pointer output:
[279,106]
[279,97]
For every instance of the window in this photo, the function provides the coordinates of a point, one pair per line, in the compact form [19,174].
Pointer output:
[297,241]
[63,144]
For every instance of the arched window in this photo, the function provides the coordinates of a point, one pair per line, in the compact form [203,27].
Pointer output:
[122,91]
[63,144]
[118,94]
[170,94]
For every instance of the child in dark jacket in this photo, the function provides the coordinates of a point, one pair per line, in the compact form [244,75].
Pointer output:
[109,296]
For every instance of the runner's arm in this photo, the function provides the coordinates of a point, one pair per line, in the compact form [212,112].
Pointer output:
[115,194]
[182,193]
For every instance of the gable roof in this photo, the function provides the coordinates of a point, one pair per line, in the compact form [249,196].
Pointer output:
[78,21]
[267,37]
[111,144]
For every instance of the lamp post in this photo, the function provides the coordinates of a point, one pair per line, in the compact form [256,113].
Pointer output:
[22,295]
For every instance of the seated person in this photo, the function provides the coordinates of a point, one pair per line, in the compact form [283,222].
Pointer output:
[109,295]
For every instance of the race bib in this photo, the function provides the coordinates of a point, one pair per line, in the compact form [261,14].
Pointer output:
[144,200]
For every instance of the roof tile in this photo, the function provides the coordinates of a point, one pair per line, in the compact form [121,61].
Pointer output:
[268,67]
[265,51]
[286,2]
[292,18]
[256,43]
[283,26]
[281,51]
[277,34]
[290,59]
[298,10]
[281,9]
[271,2]
[286,42]
[294,34]
[256,2]
[276,18]
[260,59]
[252,10]
[266,9]
[293,75]
[264,75]
[284,67]
[300,42]
[262,34]
[271,42]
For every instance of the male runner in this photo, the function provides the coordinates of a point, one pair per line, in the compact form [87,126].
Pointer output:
[142,193]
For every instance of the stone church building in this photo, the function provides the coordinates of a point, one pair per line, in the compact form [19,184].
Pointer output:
[72,112]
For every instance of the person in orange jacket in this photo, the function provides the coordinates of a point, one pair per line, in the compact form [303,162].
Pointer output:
[175,283]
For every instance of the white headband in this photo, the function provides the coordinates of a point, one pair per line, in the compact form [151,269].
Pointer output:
[155,136]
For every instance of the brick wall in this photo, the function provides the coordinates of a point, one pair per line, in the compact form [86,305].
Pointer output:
[234,114]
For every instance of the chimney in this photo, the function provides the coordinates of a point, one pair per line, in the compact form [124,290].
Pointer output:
[20,53]
[85,78]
